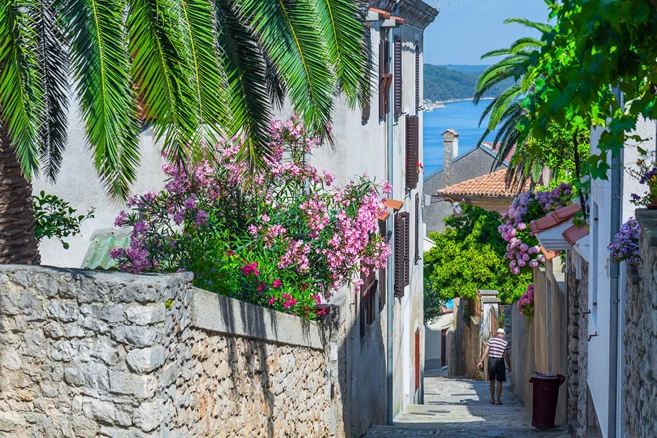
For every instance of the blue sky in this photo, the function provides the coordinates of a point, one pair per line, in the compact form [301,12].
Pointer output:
[466,29]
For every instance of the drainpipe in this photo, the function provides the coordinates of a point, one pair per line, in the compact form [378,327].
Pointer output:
[391,226]
[614,273]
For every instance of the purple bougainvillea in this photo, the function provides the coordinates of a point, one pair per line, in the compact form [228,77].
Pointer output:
[625,246]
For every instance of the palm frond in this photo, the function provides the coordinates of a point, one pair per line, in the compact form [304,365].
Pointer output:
[21,95]
[287,30]
[341,25]
[100,61]
[525,45]
[159,70]
[541,27]
[504,101]
[208,79]
[53,63]
[246,71]
[275,83]
[495,53]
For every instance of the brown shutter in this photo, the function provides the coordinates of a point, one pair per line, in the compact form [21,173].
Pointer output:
[417,78]
[399,254]
[412,149]
[407,249]
[398,75]
[382,74]
[417,228]
[383,279]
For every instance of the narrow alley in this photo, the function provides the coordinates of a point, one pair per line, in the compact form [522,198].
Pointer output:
[460,408]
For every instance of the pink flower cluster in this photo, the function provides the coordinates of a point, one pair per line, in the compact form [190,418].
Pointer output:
[283,236]
[522,247]
[526,302]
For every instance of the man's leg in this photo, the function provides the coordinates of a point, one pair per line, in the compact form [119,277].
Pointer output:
[499,392]
[492,391]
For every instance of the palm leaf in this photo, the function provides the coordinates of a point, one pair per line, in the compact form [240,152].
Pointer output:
[101,65]
[21,95]
[287,30]
[208,80]
[246,71]
[159,68]
[53,63]
[541,27]
[341,25]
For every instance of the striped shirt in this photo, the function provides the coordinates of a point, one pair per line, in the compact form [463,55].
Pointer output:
[496,347]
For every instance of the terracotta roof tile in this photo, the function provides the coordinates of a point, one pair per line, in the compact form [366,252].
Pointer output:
[390,203]
[451,131]
[549,254]
[381,12]
[398,20]
[575,233]
[491,185]
[553,219]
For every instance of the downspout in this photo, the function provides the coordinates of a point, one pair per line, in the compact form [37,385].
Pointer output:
[614,273]
[391,227]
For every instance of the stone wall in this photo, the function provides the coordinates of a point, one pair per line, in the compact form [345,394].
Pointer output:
[88,354]
[640,336]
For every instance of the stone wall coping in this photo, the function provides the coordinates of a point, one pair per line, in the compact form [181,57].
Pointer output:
[648,222]
[220,314]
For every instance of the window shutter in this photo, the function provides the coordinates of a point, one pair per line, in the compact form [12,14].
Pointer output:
[417,78]
[366,108]
[417,228]
[412,146]
[407,249]
[383,279]
[399,255]
[398,75]
[385,78]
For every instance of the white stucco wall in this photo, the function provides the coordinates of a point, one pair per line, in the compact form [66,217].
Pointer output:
[599,280]
[79,184]
[433,340]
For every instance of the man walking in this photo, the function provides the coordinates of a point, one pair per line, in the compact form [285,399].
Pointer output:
[497,354]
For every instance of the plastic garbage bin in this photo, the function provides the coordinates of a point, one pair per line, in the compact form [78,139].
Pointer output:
[546,394]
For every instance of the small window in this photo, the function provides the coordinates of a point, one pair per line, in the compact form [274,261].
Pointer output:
[418,253]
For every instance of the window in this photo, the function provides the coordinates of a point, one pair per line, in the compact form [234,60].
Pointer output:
[412,151]
[385,78]
[417,77]
[398,75]
[417,228]
[367,301]
[401,253]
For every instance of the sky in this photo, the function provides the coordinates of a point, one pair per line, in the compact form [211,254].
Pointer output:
[466,29]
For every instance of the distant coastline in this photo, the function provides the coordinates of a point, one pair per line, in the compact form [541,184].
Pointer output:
[430,106]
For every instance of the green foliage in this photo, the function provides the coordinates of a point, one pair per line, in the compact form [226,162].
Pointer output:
[468,257]
[195,70]
[443,83]
[55,218]
[596,45]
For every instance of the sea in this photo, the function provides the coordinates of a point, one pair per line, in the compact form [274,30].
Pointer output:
[463,117]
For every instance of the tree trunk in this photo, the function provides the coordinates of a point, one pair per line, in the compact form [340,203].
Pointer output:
[18,244]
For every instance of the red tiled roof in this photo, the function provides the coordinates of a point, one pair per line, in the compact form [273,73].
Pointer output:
[548,253]
[553,219]
[496,147]
[574,233]
[381,12]
[491,185]
[390,203]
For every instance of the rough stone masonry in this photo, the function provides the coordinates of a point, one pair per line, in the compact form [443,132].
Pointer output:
[86,354]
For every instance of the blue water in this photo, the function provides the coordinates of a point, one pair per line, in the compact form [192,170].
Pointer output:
[463,117]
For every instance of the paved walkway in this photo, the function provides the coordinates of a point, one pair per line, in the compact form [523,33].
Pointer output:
[460,408]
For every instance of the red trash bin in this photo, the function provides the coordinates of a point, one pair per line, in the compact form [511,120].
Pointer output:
[546,394]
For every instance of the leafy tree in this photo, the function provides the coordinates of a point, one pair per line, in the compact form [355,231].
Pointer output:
[195,69]
[469,256]
[55,218]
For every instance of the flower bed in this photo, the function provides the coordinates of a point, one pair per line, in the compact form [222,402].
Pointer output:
[282,237]
[523,250]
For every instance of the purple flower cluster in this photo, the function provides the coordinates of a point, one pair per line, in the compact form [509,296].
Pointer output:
[646,173]
[522,247]
[526,302]
[625,246]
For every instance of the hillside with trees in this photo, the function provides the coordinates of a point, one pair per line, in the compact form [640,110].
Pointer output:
[455,82]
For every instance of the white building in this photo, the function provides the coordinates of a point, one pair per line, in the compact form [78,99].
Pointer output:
[384,141]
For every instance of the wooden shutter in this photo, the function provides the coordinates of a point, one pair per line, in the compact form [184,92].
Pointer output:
[366,109]
[407,249]
[417,78]
[417,359]
[383,279]
[367,301]
[412,149]
[401,252]
[398,75]
[417,228]
[385,78]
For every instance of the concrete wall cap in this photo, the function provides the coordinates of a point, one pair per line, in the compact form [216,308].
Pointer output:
[648,222]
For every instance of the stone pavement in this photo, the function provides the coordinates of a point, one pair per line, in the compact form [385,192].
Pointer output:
[460,408]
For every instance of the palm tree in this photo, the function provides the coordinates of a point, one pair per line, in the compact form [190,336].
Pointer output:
[506,109]
[195,69]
